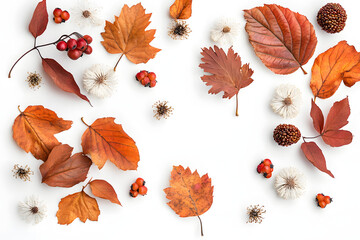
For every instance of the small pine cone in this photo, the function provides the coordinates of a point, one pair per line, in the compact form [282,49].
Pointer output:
[286,134]
[332,18]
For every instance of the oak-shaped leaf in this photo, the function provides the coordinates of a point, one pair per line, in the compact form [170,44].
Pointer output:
[181,9]
[336,119]
[105,139]
[39,20]
[62,78]
[314,154]
[77,205]
[227,72]
[34,130]
[341,62]
[63,170]
[190,195]
[103,189]
[284,40]
[127,35]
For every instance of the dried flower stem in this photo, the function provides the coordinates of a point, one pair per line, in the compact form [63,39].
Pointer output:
[118,61]
[63,37]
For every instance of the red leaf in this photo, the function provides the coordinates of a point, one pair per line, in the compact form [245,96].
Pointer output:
[338,115]
[39,20]
[62,78]
[103,189]
[317,117]
[337,138]
[314,154]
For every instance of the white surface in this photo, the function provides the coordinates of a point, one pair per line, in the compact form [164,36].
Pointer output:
[203,133]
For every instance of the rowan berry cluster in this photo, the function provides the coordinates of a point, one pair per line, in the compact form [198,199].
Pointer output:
[138,187]
[60,16]
[323,200]
[76,47]
[266,168]
[147,79]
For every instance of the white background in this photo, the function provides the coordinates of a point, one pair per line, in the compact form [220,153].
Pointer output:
[203,133]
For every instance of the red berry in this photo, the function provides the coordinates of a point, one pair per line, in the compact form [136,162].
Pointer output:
[81,44]
[140,76]
[142,190]
[65,15]
[260,167]
[152,76]
[134,187]
[327,199]
[134,194]
[267,162]
[71,44]
[266,169]
[145,81]
[140,182]
[152,83]
[322,204]
[57,12]
[320,197]
[267,175]
[61,46]
[145,72]
[88,39]
[88,50]
[58,19]
[74,54]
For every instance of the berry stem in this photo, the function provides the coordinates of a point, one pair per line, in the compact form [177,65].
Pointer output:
[201,226]
[118,61]
[237,106]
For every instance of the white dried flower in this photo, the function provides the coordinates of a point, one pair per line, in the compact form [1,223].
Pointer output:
[286,101]
[87,14]
[290,183]
[32,210]
[225,32]
[100,80]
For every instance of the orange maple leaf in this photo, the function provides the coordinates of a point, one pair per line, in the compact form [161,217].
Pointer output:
[181,9]
[341,62]
[189,194]
[34,130]
[228,73]
[105,139]
[77,205]
[127,35]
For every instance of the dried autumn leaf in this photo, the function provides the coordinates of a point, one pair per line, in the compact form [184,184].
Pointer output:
[317,117]
[181,9]
[228,74]
[338,115]
[105,139]
[337,138]
[62,78]
[63,170]
[331,67]
[314,154]
[77,205]
[34,130]
[103,189]
[127,35]
[189,194]
[39,20]
[282,39]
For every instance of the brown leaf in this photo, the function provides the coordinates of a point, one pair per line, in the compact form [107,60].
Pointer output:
[189,194]
[181,9]
[77,205]
[337,138]
[105,139]
[338,115]
[331,67]
[34,130]
[62,78]
[314,154]
[228,74]
[127,35]
[317,117]
[39,20]
[103,189]
[282,39]
[61,170]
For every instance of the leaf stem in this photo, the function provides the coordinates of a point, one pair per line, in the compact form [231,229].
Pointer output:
[312,137]
[118,61]
[19,109]
[86,184]
[82,119]
[9,75]
[237,106]
[303,70]
[201,226]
